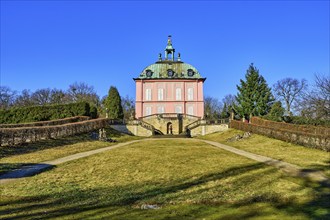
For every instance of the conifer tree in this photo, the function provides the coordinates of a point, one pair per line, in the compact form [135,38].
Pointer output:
[254,96]
[276,112]
[113,104]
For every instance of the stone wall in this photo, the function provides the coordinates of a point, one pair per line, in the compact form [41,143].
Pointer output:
[208,129]
[132,129]
[20,135]
[298,137]
[160,123]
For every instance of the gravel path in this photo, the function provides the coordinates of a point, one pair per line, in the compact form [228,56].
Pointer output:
[288,168]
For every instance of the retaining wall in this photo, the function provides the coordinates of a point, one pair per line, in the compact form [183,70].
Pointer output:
[14,136]
[294,135]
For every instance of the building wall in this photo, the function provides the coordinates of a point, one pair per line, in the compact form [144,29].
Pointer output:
[169,96]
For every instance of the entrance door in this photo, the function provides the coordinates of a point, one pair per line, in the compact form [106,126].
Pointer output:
[169,128]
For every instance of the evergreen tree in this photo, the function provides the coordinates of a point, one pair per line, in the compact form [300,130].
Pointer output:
[113,104]
[254,97]
[276,112]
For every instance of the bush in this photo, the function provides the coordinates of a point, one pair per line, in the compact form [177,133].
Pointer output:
[309,121]
[44,113]
[93,112]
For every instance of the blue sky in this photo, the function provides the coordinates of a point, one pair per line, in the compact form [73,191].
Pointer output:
[103,43]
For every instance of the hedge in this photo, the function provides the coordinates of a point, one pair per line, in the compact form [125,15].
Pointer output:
[44,113]
[47,123]
[14,136]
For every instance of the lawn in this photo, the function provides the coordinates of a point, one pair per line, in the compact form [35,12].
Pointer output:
[302,156]
[185,179]
[16,156]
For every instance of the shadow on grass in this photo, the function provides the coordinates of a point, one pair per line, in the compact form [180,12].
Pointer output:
[23,170]
[6,151]
[123,202]
[324,168]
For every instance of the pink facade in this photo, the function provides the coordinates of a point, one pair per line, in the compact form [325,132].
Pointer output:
[169,86]
[169,96]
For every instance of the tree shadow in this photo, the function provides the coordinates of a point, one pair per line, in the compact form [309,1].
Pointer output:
[23,170]
[121,202]
[320,167]
[7,151]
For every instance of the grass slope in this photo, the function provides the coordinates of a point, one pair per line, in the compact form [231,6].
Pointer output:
[16,156]
[302,156]
[186,179]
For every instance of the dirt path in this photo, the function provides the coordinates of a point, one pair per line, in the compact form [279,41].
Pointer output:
[288,168]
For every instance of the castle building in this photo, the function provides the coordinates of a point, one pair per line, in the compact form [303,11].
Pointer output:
[169,86]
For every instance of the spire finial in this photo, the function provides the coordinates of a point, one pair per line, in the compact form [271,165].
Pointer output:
[169,48]
[169,40]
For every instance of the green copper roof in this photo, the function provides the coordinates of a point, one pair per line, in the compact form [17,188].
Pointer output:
[170,70]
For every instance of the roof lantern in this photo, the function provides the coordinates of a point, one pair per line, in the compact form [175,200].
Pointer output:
[169,49]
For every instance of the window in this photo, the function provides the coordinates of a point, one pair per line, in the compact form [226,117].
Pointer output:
[149,73]
[170,72]
[148,110]
[178,93]
[160,109]
[178,109]
[190,72]
[160,94]
[190,94]
[190,110]
[148,94]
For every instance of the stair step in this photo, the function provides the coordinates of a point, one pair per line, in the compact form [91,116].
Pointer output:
[171,136]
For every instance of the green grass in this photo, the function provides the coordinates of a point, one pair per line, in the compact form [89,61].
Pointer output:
[302,156]
[16,156]
[186,179]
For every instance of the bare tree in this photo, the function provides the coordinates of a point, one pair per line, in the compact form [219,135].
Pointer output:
[7,97]
[128,105]
[24,99]
[41,97]
[83,92]
[58,96]
[212,108]
[229,100]
[316,103]
[289,91]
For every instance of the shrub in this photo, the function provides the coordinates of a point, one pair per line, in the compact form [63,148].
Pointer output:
[309,121]
[44,113]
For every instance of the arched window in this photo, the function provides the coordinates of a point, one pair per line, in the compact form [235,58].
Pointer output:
[178,109]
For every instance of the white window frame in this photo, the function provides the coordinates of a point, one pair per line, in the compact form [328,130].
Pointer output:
[148,110]
[148,94]
[160,109]
[190,110]
[178,94]
[178,109]
[160,94]
[190,94]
